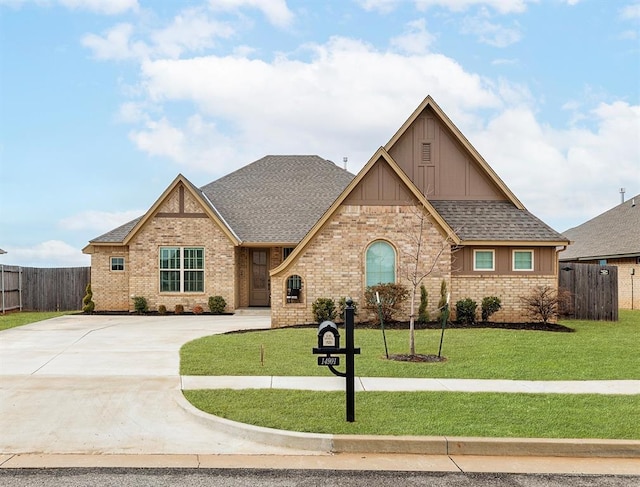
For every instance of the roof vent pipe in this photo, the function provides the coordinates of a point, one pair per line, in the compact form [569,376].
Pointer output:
[345,160]
[622,191]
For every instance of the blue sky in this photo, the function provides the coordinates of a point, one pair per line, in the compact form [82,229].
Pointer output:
[104,102]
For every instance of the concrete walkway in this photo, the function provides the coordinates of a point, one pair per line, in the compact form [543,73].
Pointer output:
[626,387]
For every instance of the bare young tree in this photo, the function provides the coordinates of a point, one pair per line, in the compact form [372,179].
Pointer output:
[418,268]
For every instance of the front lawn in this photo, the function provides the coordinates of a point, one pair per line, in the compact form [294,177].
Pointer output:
[13,319]
[429,413]
[596,351]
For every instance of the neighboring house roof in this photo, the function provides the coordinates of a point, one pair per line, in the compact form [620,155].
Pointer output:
[614,233]
[490,221]
[2,251]
[277,199]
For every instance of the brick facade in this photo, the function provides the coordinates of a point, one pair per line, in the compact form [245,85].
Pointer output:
[509,288]
[333,264]
[113,290]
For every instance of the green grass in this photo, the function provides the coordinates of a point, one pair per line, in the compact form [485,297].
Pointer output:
[13,319]
[596,351]
[430,413]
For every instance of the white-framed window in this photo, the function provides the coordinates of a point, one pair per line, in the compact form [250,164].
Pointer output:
[484,260]
[381,263]
[522,260]
[182,269]
[294,289]
[117,264]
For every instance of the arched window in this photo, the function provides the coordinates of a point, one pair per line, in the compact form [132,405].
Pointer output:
[381,263]
[294,289]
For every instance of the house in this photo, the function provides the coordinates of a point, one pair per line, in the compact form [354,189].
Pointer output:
[286,230]
[612,238]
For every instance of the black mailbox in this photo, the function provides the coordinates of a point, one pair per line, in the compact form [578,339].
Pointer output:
[328,336]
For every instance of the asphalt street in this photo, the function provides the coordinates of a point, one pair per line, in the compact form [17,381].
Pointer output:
[80,477]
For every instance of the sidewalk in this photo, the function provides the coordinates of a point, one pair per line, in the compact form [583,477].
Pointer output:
[626,387]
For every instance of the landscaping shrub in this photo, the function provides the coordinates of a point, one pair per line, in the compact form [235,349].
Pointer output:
[443,300]
[423,312]
[490,305]
[89,305]
[342,305]
[324,309]
[179,309]
[543,303]
[162,309]
[391,298]
[140,305]
[217,304]
[197,309]
[466,311]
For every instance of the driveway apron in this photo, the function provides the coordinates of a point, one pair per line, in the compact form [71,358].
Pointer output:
[108,384]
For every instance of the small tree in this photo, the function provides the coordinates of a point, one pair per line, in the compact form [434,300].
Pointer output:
[140,305]
[217,304]
[423,312]
[490,305]
[542,304]
[87,301]
[391,298]
[324,309]
[466,311]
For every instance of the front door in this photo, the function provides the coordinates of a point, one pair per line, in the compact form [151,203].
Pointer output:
[259,286]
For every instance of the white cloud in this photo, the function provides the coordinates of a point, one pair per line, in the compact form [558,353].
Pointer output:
[52,253]
[501,6]
[416,39]
[276,11]
[98,221]
[488,32]
[631,12]
[106,7]
[116,44]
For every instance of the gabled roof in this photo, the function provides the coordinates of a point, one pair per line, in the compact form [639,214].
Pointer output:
[273,200]
[277,199]
[478,222]
[614,233]
[488,170]
[380,155]
[3,251]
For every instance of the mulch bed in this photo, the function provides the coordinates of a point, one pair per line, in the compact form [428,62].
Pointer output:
[417,358]
[433,325]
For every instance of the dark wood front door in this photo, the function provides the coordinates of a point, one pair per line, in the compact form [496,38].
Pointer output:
[259,286]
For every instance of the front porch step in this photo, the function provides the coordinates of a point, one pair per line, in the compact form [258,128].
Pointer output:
[253,311]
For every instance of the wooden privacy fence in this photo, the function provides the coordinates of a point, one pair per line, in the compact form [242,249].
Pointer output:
[593,288]
[43,289]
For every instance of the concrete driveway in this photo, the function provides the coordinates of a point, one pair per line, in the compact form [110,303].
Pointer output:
[108,384]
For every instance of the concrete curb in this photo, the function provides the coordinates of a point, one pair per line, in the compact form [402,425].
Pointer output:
[423,445]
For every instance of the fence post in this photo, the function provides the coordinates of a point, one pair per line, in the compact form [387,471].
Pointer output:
[2,273]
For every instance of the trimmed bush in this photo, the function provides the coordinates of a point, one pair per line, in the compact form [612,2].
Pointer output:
[89,305]
[140,305]
[162,309]
[197,310]
[443,299]
[217,304]
[179,309]
[324,309]
[466,311]
[391,298]
[342,305]
[490,305]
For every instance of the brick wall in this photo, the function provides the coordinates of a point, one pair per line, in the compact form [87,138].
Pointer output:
[508,288]
[110,288]
[333,264]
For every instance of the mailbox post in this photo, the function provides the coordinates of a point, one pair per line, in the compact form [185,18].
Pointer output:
[329,343]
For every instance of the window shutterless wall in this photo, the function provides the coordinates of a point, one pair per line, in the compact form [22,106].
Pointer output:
[543,260]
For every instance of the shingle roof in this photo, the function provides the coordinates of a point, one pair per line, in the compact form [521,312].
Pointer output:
[494,221]
[117,235]
[613,233]
[277,198]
